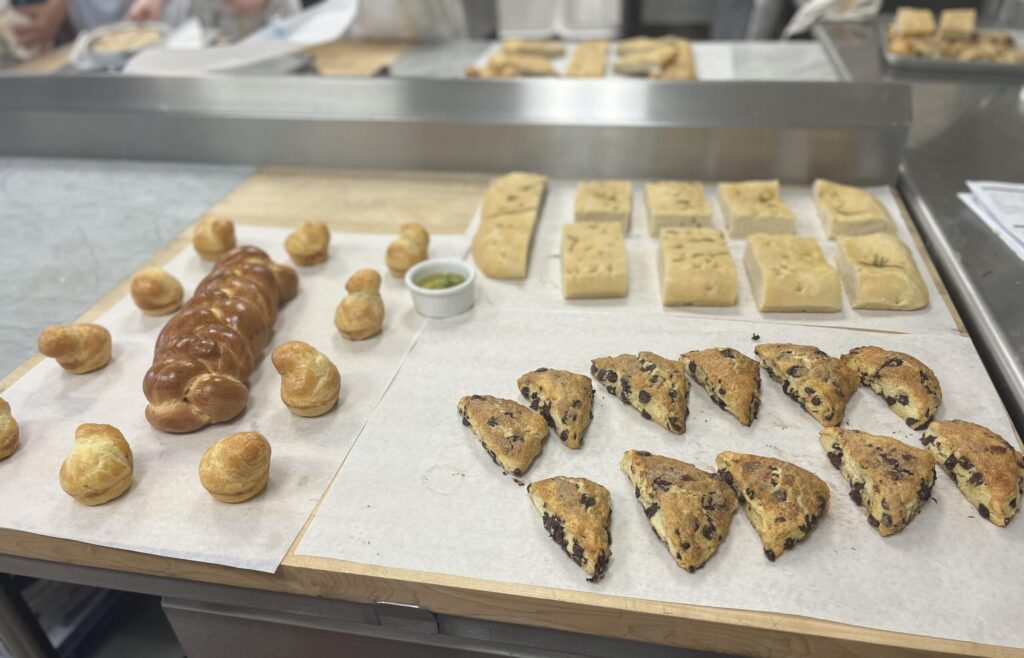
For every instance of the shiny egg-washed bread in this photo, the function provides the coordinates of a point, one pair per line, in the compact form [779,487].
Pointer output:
[409,248]
[308,244]
[8,431]
[310,383]
[237,467]
[206,352]
[360,314]
[78,348]
[156,292]
[213,237]
[99,467]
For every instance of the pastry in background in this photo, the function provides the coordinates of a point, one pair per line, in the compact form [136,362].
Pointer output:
[682,67]
[988,470]
[689,509]
[908,386]
[589,59]
[594,261]
[651,384]
[754,206]
[789,273]
[310,383]
[360,315]
[8,431]
[408,249]
[696,268]
[213,237]
[237,467]
[308,244]
[819,383]
[99,467]
[888,478]
[913,22]
[503,65]
[878,272]
[958,23]
[156,292]
[731,379]
[563,398]
[576,513]
[536,47]
[510,433]
[848,210]
[604,201]
[781,500]
[78,348]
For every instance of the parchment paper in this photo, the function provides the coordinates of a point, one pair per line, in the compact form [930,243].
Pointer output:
[418,492]
[167,512]
[543,287]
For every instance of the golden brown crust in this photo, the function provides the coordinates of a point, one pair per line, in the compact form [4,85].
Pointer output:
[820,384]
[156,292]
[689,509]
[890,479]
[986,467]
[510,433]
[237,467]
[730,378]
[508,217]
[310,383]
[537,47]
[213,237]
[782,501]
[360,315]
[576,514]
[409,248]
[308,244]
[205,353]
[504,65]
[908,386]
[563,398]
[78,348]
[651,384]
[99,467]
[9,431]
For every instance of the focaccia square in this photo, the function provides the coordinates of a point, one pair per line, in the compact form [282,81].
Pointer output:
[593,261]
[958,23]
[675,203]
[508,218]
[539,48]
[604,201]
[754,206]
[878,272]
[789,273]
[588,60]
[913,22]
[696,268]
[847,210]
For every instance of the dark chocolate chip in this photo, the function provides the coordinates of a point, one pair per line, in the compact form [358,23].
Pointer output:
[492,421]
[789,543]
[645,415]
[983,511]
[977,478]
[770,554]
[644,397]
[872,521]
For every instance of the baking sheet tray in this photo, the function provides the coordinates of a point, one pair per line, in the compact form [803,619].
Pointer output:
[543,287]
[945,65]
[418,492]
[167,512]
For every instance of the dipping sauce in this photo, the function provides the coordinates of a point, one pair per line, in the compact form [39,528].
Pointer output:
[440,280]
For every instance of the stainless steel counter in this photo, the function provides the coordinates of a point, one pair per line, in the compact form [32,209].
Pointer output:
[963,128]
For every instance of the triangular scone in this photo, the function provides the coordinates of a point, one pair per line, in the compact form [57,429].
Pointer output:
[576,513]
[908,386]
[731,379]
[689,509]
[984,465]
[782,501]
[510,433]
[564,398]
[651,384]
[822,385]
[890,479]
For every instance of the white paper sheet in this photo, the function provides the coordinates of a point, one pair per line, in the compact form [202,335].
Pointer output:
[167,512]
[543,287]
[441,505]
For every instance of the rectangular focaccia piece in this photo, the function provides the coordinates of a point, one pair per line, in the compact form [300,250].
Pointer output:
[754,206]
[501,246]
[878,272]
[646,62]
[675,203]
[534,47]
[682,67]
[604,201]
[846,210]
[958,23]
[593,261]
[696,268]
[913,22]
[588,60]
[789,273]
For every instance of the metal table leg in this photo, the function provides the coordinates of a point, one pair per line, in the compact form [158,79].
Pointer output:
[18,628]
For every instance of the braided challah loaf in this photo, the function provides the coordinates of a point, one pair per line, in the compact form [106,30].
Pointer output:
[206,352]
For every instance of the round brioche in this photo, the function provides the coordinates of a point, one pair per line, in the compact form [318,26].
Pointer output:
[308,244]
[156,292]
[237,467]
[99,467]
[310,383]
[78,348]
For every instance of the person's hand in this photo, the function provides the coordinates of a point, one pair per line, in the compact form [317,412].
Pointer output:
[46,18]
[244,8]
[145,10]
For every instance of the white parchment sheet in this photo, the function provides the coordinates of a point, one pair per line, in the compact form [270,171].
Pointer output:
[543,287]
[418,492]
[167,512]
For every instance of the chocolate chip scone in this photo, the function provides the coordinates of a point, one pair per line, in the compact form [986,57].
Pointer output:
[732,380]
[821,384]
[908,386]
[565,399]
[689,509]
[782,501]
[576,514]
[890,479]
[510,433]
[986,468]
[651,384]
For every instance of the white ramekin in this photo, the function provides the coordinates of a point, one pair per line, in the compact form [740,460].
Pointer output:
[445,302]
